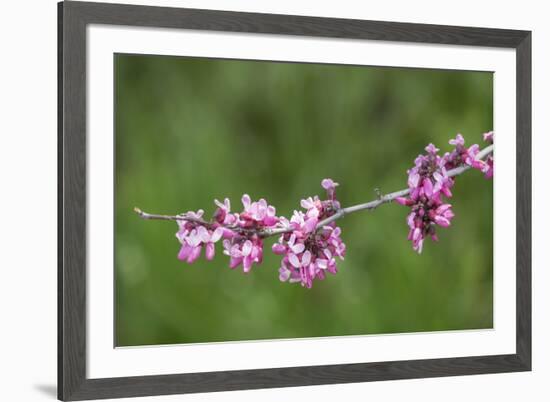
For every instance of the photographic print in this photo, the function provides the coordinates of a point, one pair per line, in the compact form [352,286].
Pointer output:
[259,200]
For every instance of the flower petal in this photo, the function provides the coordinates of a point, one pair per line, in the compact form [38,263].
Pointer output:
[278,249]
[194,254]
[284,274]
[294,260]
[210,251]
[247,248]
[306,258]
[203,234]
[246,201]
[217,234]
[298,248]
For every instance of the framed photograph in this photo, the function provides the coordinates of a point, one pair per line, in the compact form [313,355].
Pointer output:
[257,201]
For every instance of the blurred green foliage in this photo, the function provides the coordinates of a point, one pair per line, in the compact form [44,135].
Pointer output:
[191,130]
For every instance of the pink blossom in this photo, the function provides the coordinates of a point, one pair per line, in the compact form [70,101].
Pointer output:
[431,149]
[303,223]
[293,245]
[188,236]
[288,273]
[242,244]
[327,261]
[192,237]
[441,215]
[428,177]
[424,216]
[257,213]
[428,181]
[468,156]
[488,167]
[308,251]
[191,246]
[330,186]
[309,245]
[223,214]
[458,141]
[209,238]
[245,252]
[305,264]
[443,183]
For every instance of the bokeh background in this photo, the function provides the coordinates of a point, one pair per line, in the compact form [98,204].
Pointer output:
[190,130]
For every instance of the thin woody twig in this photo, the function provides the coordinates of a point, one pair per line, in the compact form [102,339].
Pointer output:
[382,199]
[183,217]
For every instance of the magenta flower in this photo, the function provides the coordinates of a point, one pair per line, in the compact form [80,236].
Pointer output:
[306,264]
[305,267]
[223,214]
[308,250]
[488,167]
[431,149]
[425,215]
[335,243]
[188,236]
[310,241]
[428,177]
[242,243]
[468,156]
[327,262]
[246,252]
[302,262]
[288,273]
[330,186]
[458,141]
[303,223]
[428,181]
[209,238]
[441,215]
[192,241]
[443,183]
[292,246]
[191,247]
[488,137]
[257,213]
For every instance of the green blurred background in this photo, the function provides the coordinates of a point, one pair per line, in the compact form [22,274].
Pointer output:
[191,130]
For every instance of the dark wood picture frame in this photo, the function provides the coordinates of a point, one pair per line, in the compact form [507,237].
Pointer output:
[73,18]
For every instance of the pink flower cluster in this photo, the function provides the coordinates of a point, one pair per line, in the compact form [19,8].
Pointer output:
[308,251]
[310,241]
[467,156]
[239,230]
[488,167]
[193,236]
[428,181]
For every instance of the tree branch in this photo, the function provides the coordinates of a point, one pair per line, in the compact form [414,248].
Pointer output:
[182,217]
[382,199]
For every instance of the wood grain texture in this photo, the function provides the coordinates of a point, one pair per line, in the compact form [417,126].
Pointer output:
[523,200]
[230,21]
[72,22]
[294,376]
[72,224]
